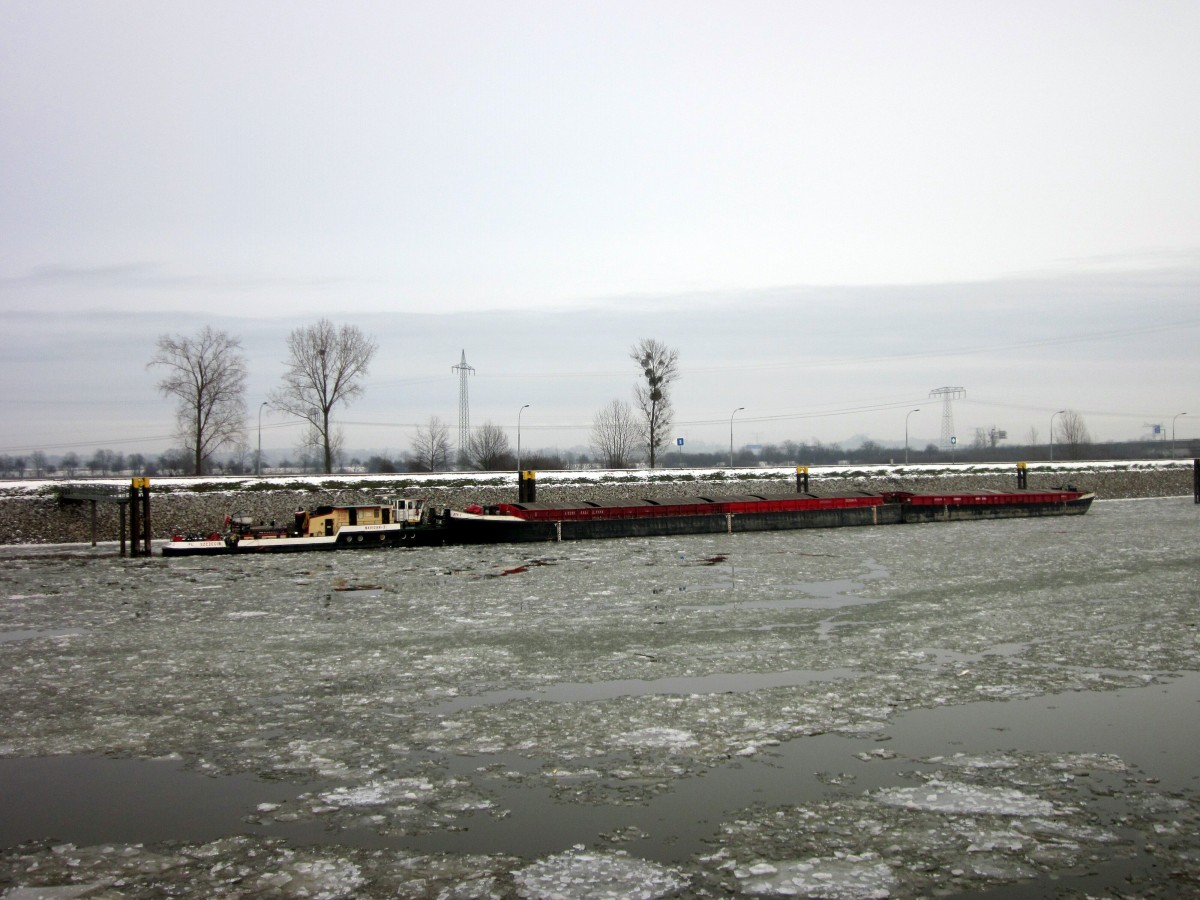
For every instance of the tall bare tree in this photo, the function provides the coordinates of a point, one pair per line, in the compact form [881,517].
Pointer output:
[325,368]
[1073,434]
[660,367]
[207,374]
[431,445]
[615,435]
[489,448]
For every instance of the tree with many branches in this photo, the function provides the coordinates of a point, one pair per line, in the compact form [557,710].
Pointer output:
[207,375]
[615,435]
[489,448]
[325,368]
[660,367]
[1073,434]
[431,446]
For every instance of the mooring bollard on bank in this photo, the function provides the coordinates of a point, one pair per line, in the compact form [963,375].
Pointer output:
[1022,476]
[801,479]
[527,487]
[139,518]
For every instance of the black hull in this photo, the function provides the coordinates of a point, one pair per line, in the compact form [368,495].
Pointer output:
[458,528]
[968,511]
[483,530]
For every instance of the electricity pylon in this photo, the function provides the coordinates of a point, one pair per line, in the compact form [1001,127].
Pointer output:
[947,394]
[464,411]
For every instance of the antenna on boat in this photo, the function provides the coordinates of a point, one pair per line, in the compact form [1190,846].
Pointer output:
[464,410]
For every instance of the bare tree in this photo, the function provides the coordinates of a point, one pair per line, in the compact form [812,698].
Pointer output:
[325,368]
[207,374]
[431,445]
[660,367]
[239,462]
[1073,434]
[314,448]
[489,448]
[615,435]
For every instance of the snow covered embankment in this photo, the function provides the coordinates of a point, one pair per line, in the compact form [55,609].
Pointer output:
[30,513]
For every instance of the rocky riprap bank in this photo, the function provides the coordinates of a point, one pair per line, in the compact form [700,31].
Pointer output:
[39,517]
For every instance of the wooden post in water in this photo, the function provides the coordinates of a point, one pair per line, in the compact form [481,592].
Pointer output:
[1196,478]
[1022,477]
[122,504]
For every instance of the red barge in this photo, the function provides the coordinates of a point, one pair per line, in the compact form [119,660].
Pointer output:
[410,523]
[531,521]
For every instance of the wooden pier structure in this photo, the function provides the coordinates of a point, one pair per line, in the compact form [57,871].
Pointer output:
[136,501]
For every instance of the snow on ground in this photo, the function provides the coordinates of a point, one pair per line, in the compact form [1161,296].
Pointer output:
[584,476]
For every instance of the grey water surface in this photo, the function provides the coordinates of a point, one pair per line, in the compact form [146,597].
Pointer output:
[865,712]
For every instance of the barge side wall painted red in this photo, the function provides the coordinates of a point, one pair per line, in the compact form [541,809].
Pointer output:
[698,506]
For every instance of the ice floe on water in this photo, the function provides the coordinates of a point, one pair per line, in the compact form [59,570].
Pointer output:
[455,722]
[657,738]
[847,878]
[582,875]
[945,796]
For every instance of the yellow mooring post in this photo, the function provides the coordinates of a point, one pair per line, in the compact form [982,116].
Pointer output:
[146,514]
[135,523]
[801,479]
[1022,477]
[527,487]
[139,517]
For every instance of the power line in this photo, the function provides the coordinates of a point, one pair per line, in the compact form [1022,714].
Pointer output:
[835,362]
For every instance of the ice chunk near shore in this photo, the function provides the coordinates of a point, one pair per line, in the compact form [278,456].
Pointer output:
[580,875]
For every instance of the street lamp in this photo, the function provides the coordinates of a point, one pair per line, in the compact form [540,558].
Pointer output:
[1059,413]
[910,412]
[519,411]
[258,459]
[1177,415]
[731,415]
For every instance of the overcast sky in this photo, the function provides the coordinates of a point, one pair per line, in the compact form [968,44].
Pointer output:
[830,209]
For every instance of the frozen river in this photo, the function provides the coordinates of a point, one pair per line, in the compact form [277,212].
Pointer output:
[1008,706]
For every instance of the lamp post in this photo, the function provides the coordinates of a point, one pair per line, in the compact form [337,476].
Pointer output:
[1059,413]
[731,415]
[519,411]
[258,459]
[1177,415]
[910,412]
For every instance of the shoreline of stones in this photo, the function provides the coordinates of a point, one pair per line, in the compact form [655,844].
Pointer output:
[44,519]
